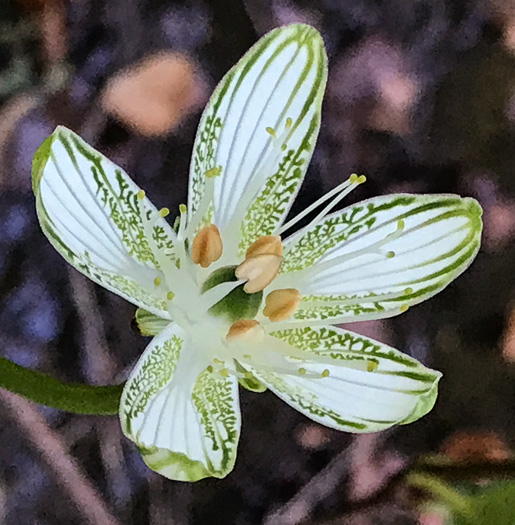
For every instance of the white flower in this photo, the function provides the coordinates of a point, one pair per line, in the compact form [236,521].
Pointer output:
[369,261]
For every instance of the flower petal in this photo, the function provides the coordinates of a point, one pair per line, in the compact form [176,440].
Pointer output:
[184,419]
[88,209]
[349,382]
[149,324]
[248,380]
[275,89]
[376,258]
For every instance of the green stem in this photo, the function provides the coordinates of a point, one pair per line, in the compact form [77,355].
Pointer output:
[441,491]
[71,397]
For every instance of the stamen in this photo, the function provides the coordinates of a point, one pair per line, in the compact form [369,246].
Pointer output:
[302,371]
[325,373]
[165,264]
[246,330]
[318,303]
[281,304]
[372,365]
[220,369]
[373,248]
[182,222]
[170,296]
[213,172]
[205,202]
[267,165]
[353,182]
[346,318]
[157,281]
[258,271]
[267,245]
[207,246]
[164,212]
[353,179]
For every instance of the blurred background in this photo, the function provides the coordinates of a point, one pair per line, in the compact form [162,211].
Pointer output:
[420,98]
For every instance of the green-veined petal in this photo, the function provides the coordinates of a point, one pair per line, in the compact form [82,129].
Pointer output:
[149,324]
[349,382]
[88,209]
[184,419]
[248,380]
[376,258]
[258,132]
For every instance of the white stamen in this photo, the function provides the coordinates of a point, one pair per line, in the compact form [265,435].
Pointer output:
[306,323]
[166,265]
[308,305]
[309,209]
[353,182]
[205,203]
[268,166]
[335,262]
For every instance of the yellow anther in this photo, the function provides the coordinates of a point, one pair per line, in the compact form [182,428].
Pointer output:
[400,225]
[302,371]
[271,131]
[390,255]
[245,330]
[325,373]
[207,246]
[210,369]
[247,356]
[281,304]
[259,271]
[182,208]
[289,122]
[164,212]
[283,147]
[403,308]
[140,195]
[267,245]
[157,281]
[218,361]
[213,172]
[408,291]
[170,296]
[224,372]
[371,366]
[361,179]
[353,179]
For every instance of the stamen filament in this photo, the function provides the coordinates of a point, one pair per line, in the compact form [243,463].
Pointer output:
[205,202]
[306,323]
[373,248]
[313,206]
[353,182]
[255,184]
[308,305]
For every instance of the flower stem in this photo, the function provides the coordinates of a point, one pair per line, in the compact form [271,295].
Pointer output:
[441,491]
[71,397]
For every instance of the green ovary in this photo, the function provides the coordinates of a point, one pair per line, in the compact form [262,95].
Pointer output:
[236,305]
